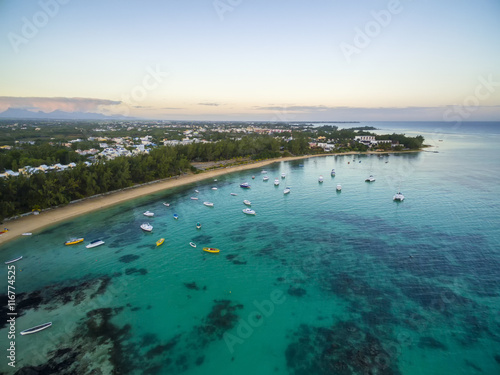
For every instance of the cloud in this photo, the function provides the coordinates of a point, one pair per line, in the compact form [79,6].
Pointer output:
[171,108]
[45,104]
[210,104]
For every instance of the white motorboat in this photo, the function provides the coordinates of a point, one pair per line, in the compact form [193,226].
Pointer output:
[398,197]
[214,188]
[248,211]
[283,175]
[192,244]
[194,198]
[14,260]
[276,182]
[370,179]
[208,204]
[234,194]
[149,214]
[339,187]
[286,191]
[263,172]
[320,179]
[245,185]
[247,202]
[196,191]
[27,234]
[166,204]
[265,178]
[146,227]
[95,243]
[36,328]
[332,173]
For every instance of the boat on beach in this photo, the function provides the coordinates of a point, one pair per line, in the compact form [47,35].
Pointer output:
[248,211]
[146,227]
[26,234]
[14,260]
[5,230]
[211,250]
[94,243]
[208,204]
[149,214]
[74,241]
[160,242]
[35,329]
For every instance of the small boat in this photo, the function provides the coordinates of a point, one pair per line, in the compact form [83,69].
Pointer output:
[234,194]
[166,204]
[370,179]
[245,185]
[176,216]
[74,241]
[14,260]
[398,197]
[215,180]
[263,172]
[248,211]
[265,178]
[196,191]
[94,243]
[194,198]
[198,226]
[208,204]
[160,242]
[36,328]
[211,250]
[192,244]
[320,179]
[253,177]
[276,182]
[5,230]
[146,227]
[247,202]
[26,234]
[149,214]
[301,165]
[286,191]
[283,175]
[332,173]
[339,187]
[214,188]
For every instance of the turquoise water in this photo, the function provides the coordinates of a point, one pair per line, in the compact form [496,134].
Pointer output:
[318,282]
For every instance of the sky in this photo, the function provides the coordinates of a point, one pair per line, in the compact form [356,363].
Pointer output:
[265,60]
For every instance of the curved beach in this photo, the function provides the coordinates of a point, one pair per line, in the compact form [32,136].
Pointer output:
[33,223]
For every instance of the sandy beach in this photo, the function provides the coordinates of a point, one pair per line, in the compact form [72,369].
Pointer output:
[34,223]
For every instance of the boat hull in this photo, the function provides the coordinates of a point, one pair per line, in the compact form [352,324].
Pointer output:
[36,329]
[211,250]
[74,242]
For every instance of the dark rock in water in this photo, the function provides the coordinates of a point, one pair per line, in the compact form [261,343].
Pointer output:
[192,286]
[131,271]
[280,279]
[199,360]
[219,320]
[161,350]
[231,256]
[497,358]
[432,343]
[202,238]
[297,292]
[473,366]
[236,261]
[128,258]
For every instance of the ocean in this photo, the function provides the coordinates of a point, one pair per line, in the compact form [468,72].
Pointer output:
[317,282]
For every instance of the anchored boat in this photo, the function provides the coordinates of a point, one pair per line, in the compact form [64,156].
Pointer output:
[211,250]
[74,241]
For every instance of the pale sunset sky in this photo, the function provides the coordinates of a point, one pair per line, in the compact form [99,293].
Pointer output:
[266,60]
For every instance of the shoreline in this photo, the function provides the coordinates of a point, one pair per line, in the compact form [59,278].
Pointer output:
[35,223]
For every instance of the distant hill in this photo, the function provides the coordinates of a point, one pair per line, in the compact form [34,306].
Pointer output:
[57,115]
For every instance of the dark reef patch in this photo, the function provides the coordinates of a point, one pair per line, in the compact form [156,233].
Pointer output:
[128,258]
[203,239]
[192,286]
[431,343]
[132,271]
[296,291]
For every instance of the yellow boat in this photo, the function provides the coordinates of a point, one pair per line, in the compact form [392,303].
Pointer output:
[160,242]
[74,241]
[211,250]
